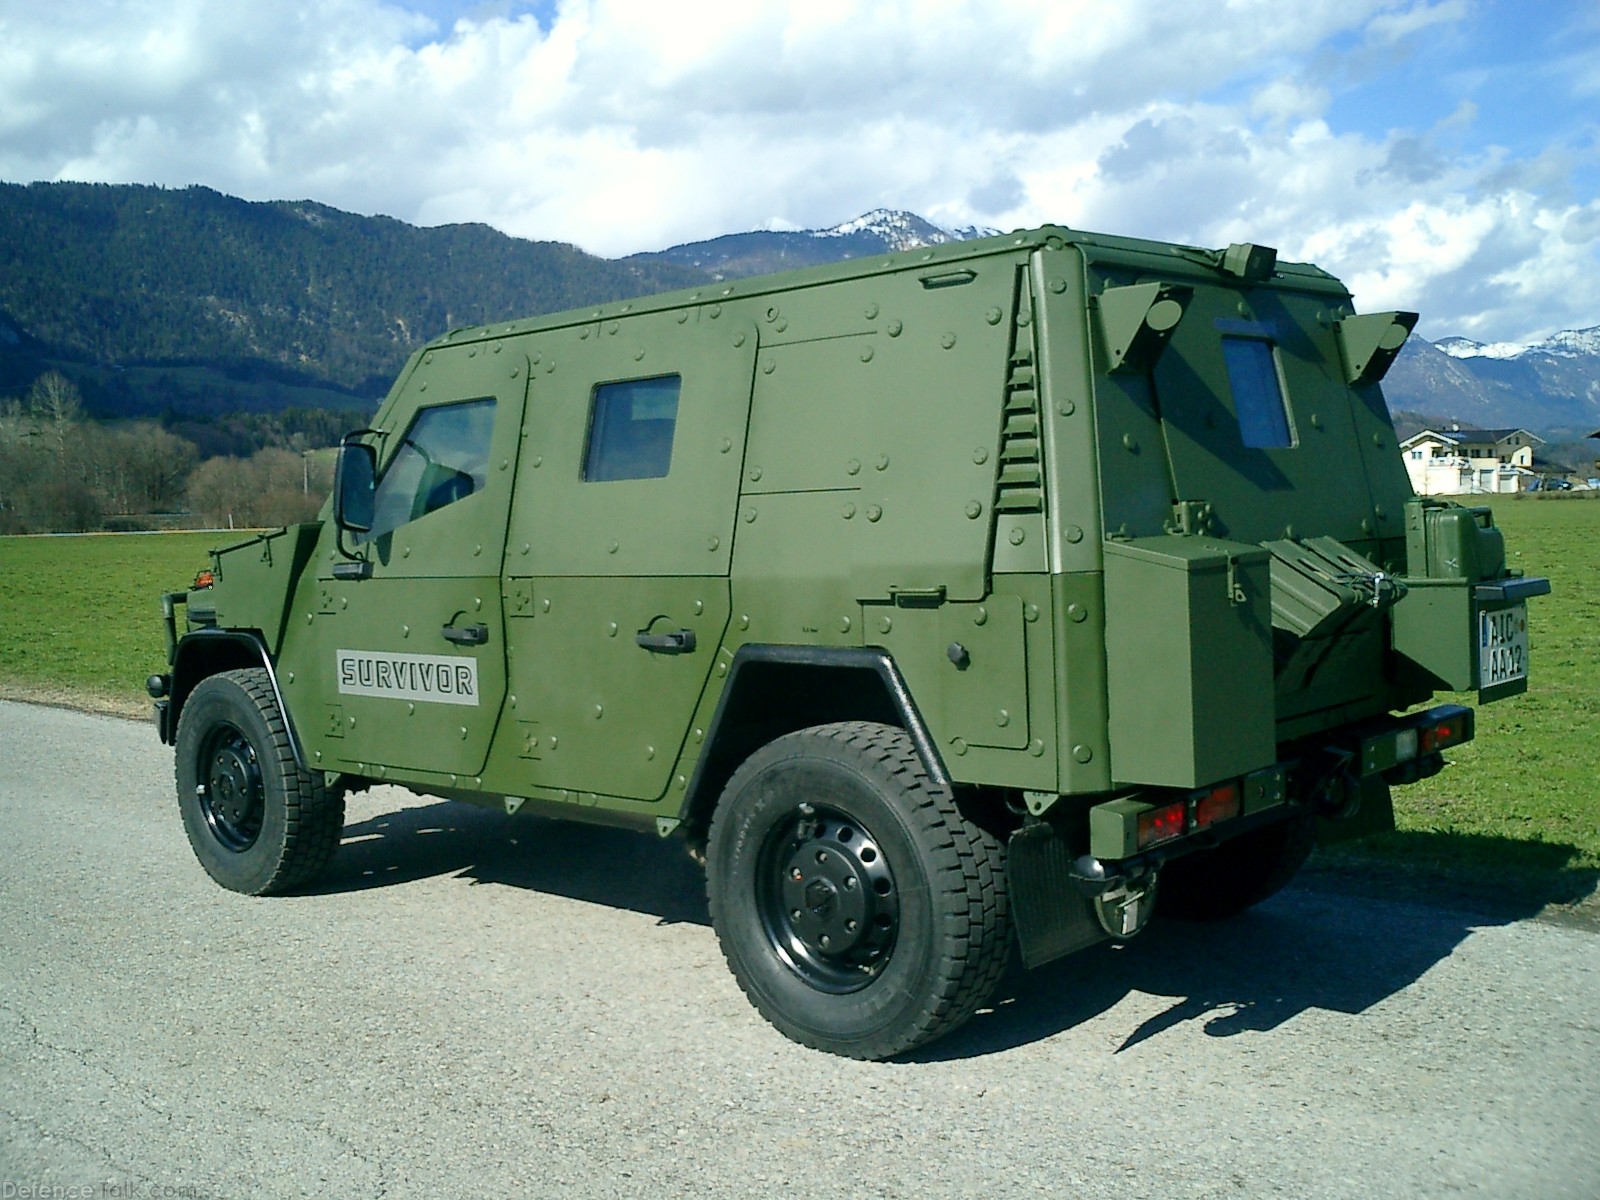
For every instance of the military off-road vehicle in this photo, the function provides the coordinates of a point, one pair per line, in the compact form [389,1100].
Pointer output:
[1029,585]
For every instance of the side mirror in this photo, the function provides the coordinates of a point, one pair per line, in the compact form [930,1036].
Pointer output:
[354,486]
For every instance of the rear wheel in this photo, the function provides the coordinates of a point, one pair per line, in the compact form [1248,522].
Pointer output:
[859,910]
[1213,885]
[256,821]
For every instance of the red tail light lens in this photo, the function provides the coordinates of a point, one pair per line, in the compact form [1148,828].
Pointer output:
[1441,735]
[1218,804]
[1161,824]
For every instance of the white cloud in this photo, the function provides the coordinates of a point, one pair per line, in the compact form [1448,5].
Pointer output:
[629,124]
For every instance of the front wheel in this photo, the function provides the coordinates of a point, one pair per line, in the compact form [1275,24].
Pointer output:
[857,907]
[256,821]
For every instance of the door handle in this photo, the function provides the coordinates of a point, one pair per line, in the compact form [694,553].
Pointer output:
[679,641]
[466,635]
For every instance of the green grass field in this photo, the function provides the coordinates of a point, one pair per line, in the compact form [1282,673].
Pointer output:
[80,617]
[80,624]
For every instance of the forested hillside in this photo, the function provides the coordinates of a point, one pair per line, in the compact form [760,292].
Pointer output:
[187,301]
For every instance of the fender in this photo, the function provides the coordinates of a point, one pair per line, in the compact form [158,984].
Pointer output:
[777,689]
[206,652]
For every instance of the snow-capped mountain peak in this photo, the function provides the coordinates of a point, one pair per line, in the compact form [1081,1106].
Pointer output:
[900,230]
[1569,343]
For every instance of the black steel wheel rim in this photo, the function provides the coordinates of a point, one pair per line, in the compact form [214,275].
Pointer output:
[232,798]
[827,899]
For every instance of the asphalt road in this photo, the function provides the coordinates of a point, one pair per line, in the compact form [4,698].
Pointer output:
[475,1005]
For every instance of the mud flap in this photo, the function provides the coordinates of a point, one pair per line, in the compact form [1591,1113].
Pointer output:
[1375,815]
[1053,917]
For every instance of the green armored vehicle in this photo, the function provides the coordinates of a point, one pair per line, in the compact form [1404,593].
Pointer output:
[1032,584]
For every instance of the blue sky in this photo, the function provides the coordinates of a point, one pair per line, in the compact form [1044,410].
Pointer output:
[1438,155]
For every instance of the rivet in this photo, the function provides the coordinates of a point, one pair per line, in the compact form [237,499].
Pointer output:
[1067,408]
[894,328]
[699,607]
[722,668]
[853,467]
[948,341]
[613,548]
[959,745]
[463,733]
[545,604]
[649,752]
[1074,534]
[848,511]
[974,510]
[1377,439]
[981,616]
[699,736]
[611,629]
[872,312]
[1288,531]
[599,711]
[713,543]
[1129,442]
[504,463]
[1036,747]
[866,354]
[405,551]
[772,314]
[1316,421]
[615,325]
[1243,309]
[726,445]
[749,516]
[1002,718]
[538,460]
[844,624]
[744,620]
[1017,535]
[768,367]
[714,311]
[638,356]
[424,386]
[477,550]
[1077,613]
[993,316]
[738,339]
[1082,753]
[1366,525]
[980,456]
[1058,286]
[1378,510]
[554,741]
[882,463]
[885,624]
[683,317]
[1031,613]
[755,474]
[405,631]
[411,710]
[526,547]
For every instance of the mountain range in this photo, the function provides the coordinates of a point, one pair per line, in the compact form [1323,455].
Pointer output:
[191,302]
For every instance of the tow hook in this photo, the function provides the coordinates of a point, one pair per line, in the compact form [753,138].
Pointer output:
[1123,901]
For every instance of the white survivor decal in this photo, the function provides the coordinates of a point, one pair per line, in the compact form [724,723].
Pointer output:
[438,678]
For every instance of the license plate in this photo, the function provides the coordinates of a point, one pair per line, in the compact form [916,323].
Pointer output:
[1502,645]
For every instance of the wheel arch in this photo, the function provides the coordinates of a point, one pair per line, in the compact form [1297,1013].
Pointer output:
[204,653]
[775,689]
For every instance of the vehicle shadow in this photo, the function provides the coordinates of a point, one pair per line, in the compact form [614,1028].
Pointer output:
[615,867]
[1352,931]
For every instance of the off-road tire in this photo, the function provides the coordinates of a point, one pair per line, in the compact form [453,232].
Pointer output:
[257,822]
[924,886]
[1213,885]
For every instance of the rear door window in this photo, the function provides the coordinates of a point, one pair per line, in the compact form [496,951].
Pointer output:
[1257,387]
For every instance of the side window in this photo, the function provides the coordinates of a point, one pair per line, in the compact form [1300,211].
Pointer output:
[443,457]
[630,429]
[1257,392]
